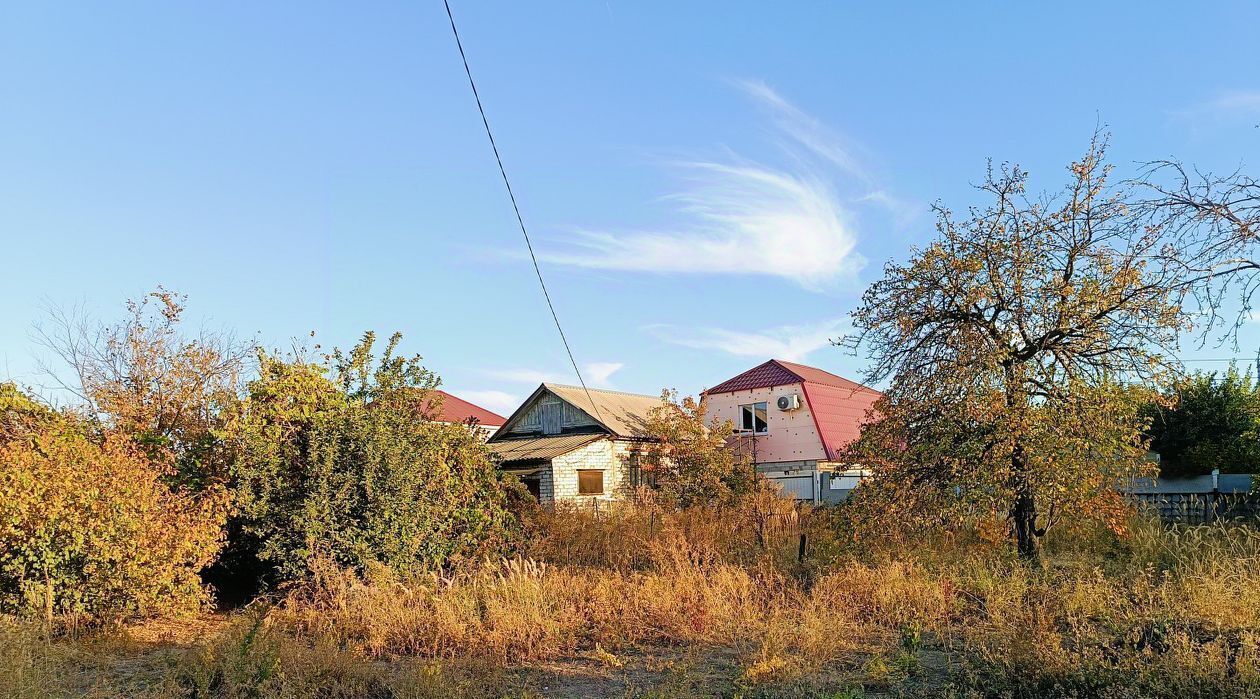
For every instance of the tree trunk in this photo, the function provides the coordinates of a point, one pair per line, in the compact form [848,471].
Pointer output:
[1024,511]
[1024,522]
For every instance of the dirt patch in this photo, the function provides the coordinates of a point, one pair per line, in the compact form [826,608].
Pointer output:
[177,632]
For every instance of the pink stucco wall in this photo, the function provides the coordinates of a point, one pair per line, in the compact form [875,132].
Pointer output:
[793,436]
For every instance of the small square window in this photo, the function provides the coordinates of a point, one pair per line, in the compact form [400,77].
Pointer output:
[752,418]
[590,482]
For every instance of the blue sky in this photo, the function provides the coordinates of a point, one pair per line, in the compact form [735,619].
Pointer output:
[708,184]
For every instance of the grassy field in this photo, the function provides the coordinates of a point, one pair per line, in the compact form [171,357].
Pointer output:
[691,604]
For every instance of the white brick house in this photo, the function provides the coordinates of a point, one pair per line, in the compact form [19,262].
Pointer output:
[570,445]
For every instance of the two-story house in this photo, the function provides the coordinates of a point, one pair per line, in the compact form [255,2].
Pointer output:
[794,421]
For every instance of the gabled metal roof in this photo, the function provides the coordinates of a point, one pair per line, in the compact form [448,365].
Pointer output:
[623,415]
[778,372]
[839,406]
[456,409]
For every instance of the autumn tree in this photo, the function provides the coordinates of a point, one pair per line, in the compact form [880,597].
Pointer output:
[690,456]
[146,377]
[1211,224]
[1013,345]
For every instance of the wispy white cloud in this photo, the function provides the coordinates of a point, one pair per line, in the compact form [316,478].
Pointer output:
[903,211]
[737,216]
[806,131]
[500,402]
[599,373]
[1224,107]
[740,218]
[595,373]
[1237,102]
[789,342]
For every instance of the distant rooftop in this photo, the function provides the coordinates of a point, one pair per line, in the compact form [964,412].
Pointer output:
[456,409]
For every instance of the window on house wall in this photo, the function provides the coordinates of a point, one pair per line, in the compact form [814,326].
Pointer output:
[638,476]
[590,482]
[752,418]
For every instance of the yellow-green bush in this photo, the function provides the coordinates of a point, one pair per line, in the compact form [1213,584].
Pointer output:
[91,529]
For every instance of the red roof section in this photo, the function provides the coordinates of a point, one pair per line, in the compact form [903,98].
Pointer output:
[839,413]
[839,406]
[772,373]
[456,409]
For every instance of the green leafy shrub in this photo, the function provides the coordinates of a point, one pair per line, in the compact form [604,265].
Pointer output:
[341,461]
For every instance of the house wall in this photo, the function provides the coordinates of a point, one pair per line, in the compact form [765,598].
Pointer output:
[480,430]
[793,435]
[546,487]
[608,455]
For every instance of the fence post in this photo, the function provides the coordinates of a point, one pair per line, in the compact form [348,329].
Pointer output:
[800,551]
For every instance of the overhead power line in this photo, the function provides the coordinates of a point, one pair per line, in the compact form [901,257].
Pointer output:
[516,208]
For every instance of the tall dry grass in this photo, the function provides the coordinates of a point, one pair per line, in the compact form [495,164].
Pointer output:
[1162,612]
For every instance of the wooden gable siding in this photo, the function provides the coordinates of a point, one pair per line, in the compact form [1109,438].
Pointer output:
[551,416]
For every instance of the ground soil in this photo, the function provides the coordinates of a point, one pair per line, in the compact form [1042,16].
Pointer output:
[139,654]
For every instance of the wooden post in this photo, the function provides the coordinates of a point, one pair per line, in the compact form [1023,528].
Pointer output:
[48,603]
[800,551]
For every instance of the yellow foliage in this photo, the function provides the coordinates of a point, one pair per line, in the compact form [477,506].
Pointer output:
[93,530]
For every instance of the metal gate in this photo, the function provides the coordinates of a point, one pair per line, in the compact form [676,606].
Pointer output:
[797,487]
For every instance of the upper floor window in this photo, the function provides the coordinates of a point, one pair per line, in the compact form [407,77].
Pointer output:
[752,418]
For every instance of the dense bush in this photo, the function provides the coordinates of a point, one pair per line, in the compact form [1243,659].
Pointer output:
[342,462]
[91,527]
[1207,421]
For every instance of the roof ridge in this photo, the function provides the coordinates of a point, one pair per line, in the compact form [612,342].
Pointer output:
[787,365]
[550,384]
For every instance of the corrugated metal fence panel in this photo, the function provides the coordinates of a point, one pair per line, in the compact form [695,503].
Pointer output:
[1200,508]
[798,487]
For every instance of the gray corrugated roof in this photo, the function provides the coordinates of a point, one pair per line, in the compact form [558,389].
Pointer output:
[540,448]
[624,414]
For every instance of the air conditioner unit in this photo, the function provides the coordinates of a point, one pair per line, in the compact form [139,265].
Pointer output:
[789,402]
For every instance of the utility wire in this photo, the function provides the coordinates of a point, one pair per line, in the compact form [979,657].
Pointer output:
[519,219]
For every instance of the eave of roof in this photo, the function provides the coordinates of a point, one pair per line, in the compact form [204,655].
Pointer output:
[540,448]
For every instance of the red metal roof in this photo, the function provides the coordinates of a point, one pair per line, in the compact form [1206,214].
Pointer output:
[459,410]
[772,373]
[839,406]
[838,413]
